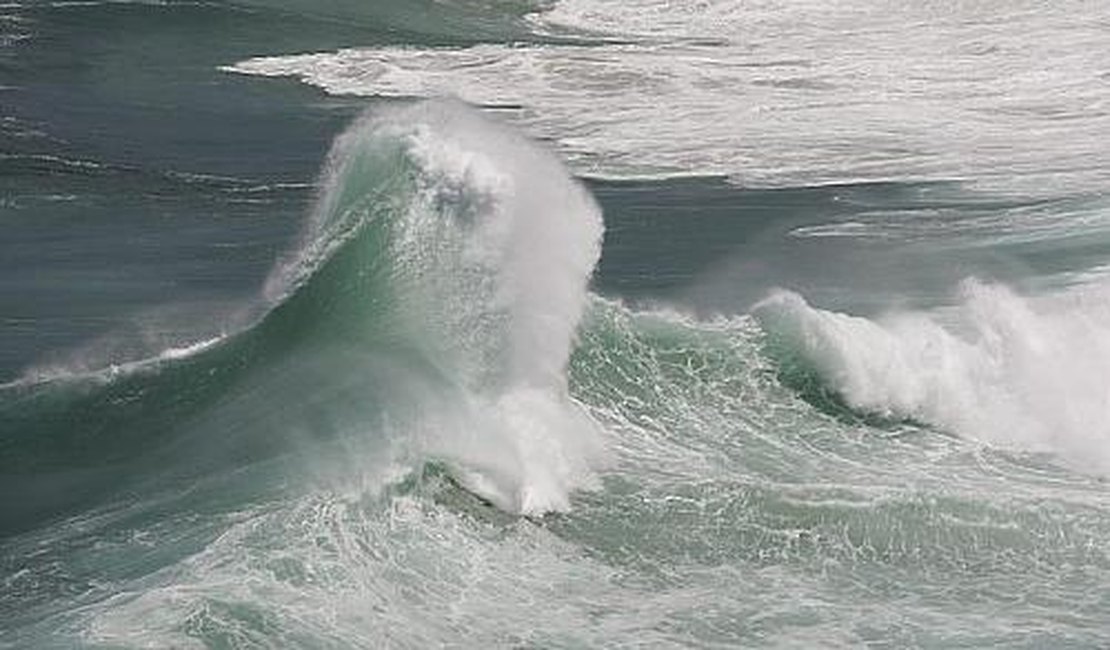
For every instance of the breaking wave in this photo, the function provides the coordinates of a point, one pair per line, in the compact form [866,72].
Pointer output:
[1024,373]
[435,291]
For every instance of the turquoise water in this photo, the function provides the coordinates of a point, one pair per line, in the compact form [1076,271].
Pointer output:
[569,324]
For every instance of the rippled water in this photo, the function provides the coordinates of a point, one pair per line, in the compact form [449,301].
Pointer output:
[710,324]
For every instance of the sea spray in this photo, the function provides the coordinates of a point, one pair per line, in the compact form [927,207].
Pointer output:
[481,252]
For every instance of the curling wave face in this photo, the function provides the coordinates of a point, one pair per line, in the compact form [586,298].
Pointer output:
[482,247]
[428,311]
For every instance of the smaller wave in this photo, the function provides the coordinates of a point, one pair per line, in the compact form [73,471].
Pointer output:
[1001,368]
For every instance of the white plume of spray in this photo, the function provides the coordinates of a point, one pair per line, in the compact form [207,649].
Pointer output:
[488,261]
[1031,374]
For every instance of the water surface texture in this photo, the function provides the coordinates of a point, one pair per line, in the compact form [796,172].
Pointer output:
[554,324]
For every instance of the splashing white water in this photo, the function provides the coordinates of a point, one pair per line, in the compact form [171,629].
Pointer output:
[489,244]
[1006,370]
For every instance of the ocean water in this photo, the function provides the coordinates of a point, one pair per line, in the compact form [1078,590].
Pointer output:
[554,324]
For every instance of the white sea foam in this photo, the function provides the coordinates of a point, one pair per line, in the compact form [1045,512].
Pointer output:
[1003,369]
[325,571]
[777,93]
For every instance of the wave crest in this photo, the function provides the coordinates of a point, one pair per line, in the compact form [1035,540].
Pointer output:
[480,246]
